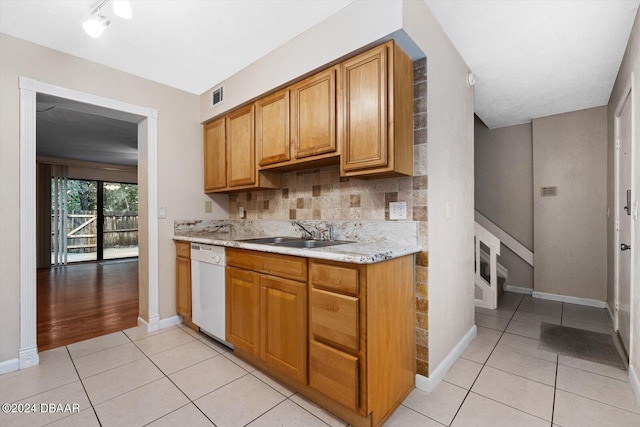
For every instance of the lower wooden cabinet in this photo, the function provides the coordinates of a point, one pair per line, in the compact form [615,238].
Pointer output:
[183,282]
[341,334]
[267,314]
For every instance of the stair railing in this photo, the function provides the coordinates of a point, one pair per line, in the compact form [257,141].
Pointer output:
[488,290]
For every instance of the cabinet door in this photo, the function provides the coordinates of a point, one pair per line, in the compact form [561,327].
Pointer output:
[183,286]
[272,128]
[215,156]
[241,163]
[283,320]
[364,116]
[313,114]
[242,309]
[335,374]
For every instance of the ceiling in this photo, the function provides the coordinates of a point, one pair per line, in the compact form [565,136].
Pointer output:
[531,58]
[71,130]
[538,58]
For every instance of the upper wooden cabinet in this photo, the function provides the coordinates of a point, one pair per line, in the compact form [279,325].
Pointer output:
[296,127]
[272,128]
[376,120]
[358,113]
[229,151]
[215,159]
[313,115]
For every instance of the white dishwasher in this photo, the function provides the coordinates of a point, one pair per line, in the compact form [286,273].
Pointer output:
[208,289]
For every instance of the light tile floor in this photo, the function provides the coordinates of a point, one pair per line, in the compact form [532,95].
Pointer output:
[179,377]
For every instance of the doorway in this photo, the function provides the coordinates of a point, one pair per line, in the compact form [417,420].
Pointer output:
[623,211]
[93,220]
[146,119]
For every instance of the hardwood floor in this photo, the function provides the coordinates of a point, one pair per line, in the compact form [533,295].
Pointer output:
[82,301]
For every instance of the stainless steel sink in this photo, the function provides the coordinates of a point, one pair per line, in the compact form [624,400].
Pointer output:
[295,242]
[310,243]
[270,240]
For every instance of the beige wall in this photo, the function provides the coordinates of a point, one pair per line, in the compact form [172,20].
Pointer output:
[503,190]
[449,151]
[180,167]
[630,64]
[570,234]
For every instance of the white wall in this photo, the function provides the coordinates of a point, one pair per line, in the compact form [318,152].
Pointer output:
[450,137]
[630,64]
[504,190]
[570,229]
[180,165]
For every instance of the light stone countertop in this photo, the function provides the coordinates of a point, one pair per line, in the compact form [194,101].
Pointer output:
[357,252]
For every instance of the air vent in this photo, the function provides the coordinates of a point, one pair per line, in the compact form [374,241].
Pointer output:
[548,191]
[217,96]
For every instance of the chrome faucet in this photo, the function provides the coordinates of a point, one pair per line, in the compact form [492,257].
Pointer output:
[309,234]
[330,230]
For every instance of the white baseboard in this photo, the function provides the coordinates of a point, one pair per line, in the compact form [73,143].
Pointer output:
[572,300]
[635,383]
[157,324]
[10,365]
[170,321]
[29,357]
[518,289]
[429,383]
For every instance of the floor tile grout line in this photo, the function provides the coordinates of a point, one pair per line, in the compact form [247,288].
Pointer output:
[176,386]
[418,412]
[484,364]
[598,401]
[306,410]
[555,389]
[93,408]
[169,413]
[509,406]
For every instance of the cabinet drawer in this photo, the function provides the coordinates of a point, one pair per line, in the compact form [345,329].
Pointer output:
[183,249]
[334,373]
[289,267]
[337,277]
[334,318]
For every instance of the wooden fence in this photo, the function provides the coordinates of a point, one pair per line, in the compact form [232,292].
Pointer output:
[120,230]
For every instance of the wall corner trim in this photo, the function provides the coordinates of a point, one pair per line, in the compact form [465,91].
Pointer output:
[10,365]
[573,300]
[635,383]
[430,383]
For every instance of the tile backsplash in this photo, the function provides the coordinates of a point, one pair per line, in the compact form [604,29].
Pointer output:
[321,194]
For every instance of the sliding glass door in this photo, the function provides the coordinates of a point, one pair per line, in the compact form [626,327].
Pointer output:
[93,220]
[120,224]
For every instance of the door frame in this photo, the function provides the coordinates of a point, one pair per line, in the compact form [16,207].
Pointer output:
[627,96]
[147,119]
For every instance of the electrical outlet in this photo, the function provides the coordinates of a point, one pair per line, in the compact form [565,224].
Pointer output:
[241,212]
[208,206]
[162,212]
[397,210]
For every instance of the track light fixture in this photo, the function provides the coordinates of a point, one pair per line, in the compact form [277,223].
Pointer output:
[96,25]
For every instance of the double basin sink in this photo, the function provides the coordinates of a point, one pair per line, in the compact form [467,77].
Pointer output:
[295,242]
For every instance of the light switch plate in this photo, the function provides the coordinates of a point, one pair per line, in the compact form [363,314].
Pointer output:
[397,210]
[208,206]
[162,212]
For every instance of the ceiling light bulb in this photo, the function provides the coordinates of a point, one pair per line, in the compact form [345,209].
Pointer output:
[96,26]
[122,8]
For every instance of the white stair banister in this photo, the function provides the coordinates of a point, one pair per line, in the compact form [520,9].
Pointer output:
[489,290]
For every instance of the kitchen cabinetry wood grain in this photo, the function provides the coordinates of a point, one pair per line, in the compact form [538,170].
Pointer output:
[344,338]
[272,128]
[376,119]
[267,310]
[215,159]
[230,161]
[183,283]
[242,309]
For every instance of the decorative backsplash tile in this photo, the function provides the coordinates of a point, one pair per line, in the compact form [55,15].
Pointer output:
[321,194]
